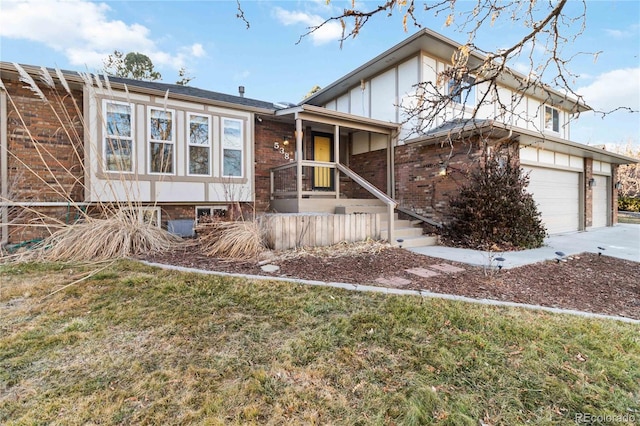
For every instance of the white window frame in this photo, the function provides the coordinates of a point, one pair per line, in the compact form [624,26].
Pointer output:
[171,142]
[210,208]
[467,90]
[106,135]
[209,146]
[155,210]
[240,148]
[544,119]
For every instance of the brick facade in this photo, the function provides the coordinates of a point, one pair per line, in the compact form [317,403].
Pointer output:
[419,185]
[267,132]
[46,157]
[370,165]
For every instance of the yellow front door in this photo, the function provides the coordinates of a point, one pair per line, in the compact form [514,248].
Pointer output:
[322,152]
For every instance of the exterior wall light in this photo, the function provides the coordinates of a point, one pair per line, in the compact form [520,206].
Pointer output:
[443,170]
[591,183]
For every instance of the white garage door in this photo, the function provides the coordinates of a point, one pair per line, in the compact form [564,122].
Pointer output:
[557,194]
[600,202]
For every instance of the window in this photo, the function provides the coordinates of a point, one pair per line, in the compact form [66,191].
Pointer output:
[551,119]
[207,212]
[232,146]
[118,137]
[199,144]
[161,141]
[463,91]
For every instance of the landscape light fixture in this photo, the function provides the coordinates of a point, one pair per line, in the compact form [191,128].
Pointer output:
[600,250]
[561,257]
[500,261]
[400,241]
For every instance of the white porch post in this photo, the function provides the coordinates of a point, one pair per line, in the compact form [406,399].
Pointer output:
[336,158]
[299,158]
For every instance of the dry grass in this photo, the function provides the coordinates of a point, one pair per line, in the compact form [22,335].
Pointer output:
[241,240]
[137,345]
[118,236]
[342,249]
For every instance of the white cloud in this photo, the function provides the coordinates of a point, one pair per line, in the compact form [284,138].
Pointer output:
[330,31]
[197,50]
[83,31]
[613,89]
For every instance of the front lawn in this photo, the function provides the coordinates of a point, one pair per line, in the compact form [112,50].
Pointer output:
[134,344]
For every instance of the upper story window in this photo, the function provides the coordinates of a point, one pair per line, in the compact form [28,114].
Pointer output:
[199,144]
[551,119]
[463,91]
[232,147]
[161,141]
[118,136]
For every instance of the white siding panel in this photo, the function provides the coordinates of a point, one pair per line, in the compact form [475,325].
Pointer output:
[576,162]
[359,101]
[528,153]
[557,194]
[378,141]
[562,159]
[120,190]
[533,109]
[605,168]
[383,96]
[547,157]
[596,166]
[486,108]
[180,191]
[600,202]
[331,105]
[360,143]
[429,72]
[343,103]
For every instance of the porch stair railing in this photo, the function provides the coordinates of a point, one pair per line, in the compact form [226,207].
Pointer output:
[388,201]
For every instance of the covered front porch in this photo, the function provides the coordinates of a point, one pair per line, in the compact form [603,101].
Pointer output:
[320,173]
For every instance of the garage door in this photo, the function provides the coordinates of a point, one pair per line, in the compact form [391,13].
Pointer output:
[600,202]
[557,194]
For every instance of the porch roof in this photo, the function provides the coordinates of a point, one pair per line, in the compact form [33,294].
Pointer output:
[457,129]
[326,116]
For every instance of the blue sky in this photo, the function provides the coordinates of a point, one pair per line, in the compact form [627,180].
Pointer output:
[222,54]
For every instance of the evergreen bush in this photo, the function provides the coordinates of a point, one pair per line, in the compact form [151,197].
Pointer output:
[494,210]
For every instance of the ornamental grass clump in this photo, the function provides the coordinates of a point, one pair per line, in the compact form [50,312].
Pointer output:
[114,237]
[239,239]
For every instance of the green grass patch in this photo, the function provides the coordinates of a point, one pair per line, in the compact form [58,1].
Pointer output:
[140,345]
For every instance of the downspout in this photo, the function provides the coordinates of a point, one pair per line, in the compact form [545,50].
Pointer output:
[4,171]
[336,159]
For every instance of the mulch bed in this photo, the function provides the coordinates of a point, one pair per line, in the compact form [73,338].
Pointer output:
[587,282]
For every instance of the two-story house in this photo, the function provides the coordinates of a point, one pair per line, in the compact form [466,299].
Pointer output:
[180,152]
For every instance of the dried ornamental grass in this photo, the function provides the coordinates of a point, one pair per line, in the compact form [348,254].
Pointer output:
[94,240]
[235,240]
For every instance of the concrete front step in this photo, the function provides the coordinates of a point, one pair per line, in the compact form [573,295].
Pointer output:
[421,241]
[401,232]
[361,209]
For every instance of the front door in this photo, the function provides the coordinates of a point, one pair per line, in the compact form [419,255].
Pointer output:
[323,151]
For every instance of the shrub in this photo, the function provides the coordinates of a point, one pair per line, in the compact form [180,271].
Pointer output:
[495,210]
[629,204]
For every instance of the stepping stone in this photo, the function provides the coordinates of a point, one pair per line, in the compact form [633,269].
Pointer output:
[421,272]
[393,281]
[270,268]
[444,267]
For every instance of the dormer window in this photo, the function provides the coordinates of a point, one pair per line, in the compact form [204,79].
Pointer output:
[463,91]
[551,119]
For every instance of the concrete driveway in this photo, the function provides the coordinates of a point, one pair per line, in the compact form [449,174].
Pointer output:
[621,241]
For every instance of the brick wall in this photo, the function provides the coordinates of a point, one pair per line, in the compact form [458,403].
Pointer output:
[420,187]
[45,142]
[588,193]
[370,165]
[45,161]
[266,157]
